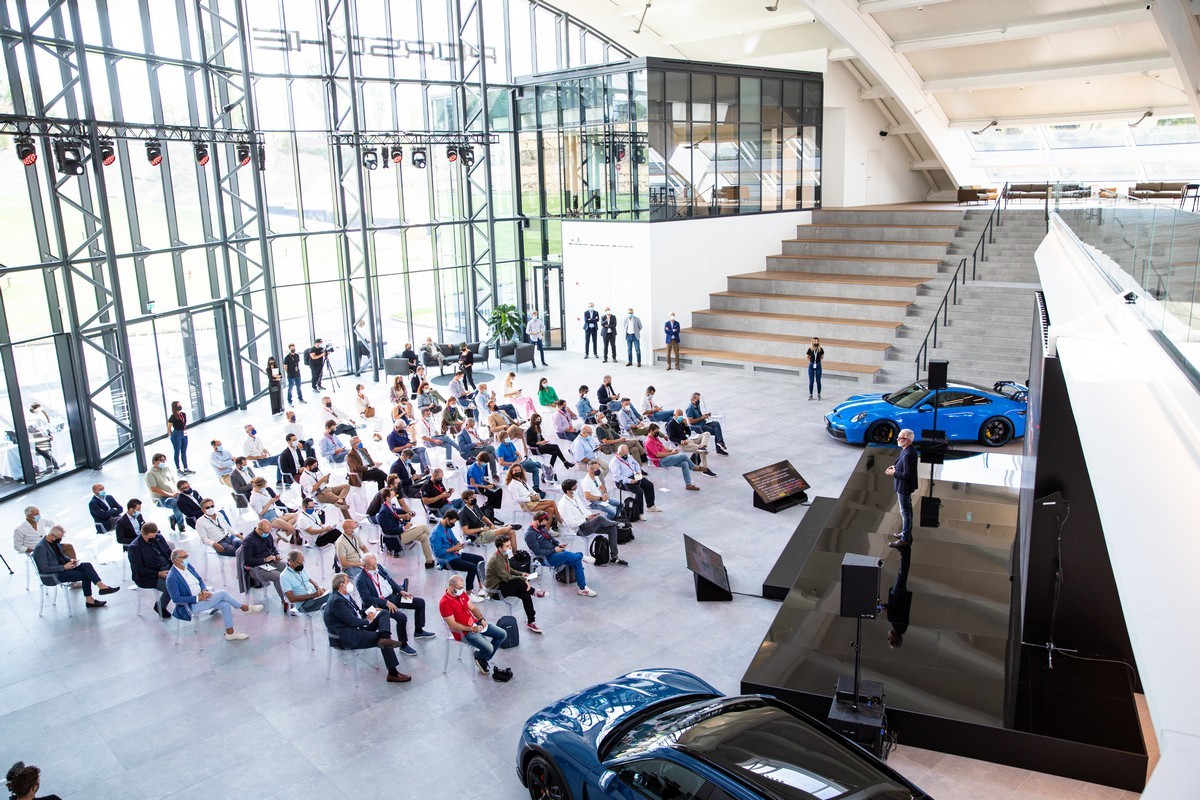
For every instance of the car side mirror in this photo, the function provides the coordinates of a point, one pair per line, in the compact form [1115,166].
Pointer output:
[924,408]
[606,780]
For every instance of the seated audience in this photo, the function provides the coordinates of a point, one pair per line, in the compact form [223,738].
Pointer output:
[515,396]
[216,530]
[192,596]
[435,496]
[538,445]
[55,566]
[470,445]
[343,423]
[360,463]
[476,525]
[221,461]
[270,509]
[149,562]
[627,474]
[32,530]
[378,589]
[507,454]
[303,594]
[240,480]
[313,527]
[610,398]
[585,522]
[160,480]
[350,629]
[452,419]
[350,548]
[586,449]
[257,453]
[189,501]
[398,390]
[466,623]
[554,554]
[527,497]
[428,397]
[458,391]
[596,493]
[316,484]
[105,510]
[611,438]
[630,420]
[583,406]
[680,434]
[367,413]
[488,396]
[479,482]
[662,454]
[652,410]
[545,394]
[291,460]
[294,428]
[395,519]
[496,419]
[448,550]
[429,434]
[501,578]
[433,352]
[332,449]
[129,526]
[261,560]
[701,421]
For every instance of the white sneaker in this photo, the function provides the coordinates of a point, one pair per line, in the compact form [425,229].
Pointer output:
[587,593]
[655,509]
[255,609]
[292,612]
[589,560]
[236,637]
[481,594]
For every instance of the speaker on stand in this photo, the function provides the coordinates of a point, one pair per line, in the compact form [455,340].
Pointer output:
[858,711]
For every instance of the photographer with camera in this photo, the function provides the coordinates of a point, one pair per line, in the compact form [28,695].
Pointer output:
[315,356]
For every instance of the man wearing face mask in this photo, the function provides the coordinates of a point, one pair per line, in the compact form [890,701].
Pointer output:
[130,524]
[671,332]
[508,582]
[596,493]
[553,553]
[301,591]
[466,623]
[222,462]
[591,326]
[192,596]
[362,464]
[343,424]
[633,338]
[189,502]
[160,480]
[352,629]
[55,566]
[677,431]
[217,531]
[257,453]
[262,560]
[313,526]
[149,562]
[105,510]
[535,329]
[291,366]
[379,590]
[608,332]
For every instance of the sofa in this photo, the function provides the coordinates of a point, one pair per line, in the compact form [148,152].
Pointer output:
[1158,190]
[1072,191]
[517,354]
[1027,191]
[448,351]
[975,194]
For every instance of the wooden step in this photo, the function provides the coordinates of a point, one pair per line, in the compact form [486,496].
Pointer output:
[872,225]
[829,277]
[782,361]
[882,259]
[879,347]
[813,298]
[917,243]
[866,323]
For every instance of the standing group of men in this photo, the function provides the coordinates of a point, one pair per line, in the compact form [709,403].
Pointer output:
[607,327]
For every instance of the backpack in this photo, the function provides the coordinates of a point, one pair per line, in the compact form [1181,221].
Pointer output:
[630,509]
[624,531]
[598,550]
[508,623]
[565,574]
[521,561]
[307,357]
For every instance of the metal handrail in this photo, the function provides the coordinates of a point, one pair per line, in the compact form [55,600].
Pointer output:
[987,236]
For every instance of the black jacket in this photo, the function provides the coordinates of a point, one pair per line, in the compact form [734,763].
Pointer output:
[343,619]
[257,548]
[147,559]
[189,506]
[676,432]
[591,319]
[906,471]
[291,463]
[104,509]
[608,324]
[126,530]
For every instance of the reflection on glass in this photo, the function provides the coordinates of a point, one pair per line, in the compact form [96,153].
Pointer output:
[899,601]
[44,406]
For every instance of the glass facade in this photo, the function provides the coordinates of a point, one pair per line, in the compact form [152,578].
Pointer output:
[129,285]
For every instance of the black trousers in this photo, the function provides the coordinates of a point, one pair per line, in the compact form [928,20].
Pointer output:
[383,624]
[86,574]
[610,341]
[516,588]
[315,383]
[417,604]
[643,490]
[589,340]
[468,563]
[551,450]
[375,474]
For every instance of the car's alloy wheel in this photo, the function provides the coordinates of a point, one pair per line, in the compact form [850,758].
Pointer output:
[996,431]
[544,781]
[883,432]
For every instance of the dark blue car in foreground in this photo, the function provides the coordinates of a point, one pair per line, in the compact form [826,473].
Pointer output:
[664,733]
[965,412]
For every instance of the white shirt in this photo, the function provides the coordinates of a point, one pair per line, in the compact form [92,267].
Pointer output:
[522,493]
[629,329]
[647,405]
[585,447]
[572,510]
[293,427]
[254,447]
[213,529]
[362,402]
[259,501]
[193,584]
[26,537]
[314,522]
[595,486]
[429,427]
[382,587]
[334,413]
[308,480]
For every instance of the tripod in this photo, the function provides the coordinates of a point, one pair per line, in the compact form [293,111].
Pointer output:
[6,566]
[328,371]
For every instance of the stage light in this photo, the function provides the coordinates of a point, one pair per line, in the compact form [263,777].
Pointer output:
[26,151]
[201,152]
[243,154]
[108,153]
[153,152]
[419,157]
[370,158]
[68,156]
[452,153]
[397,154]
[467,153]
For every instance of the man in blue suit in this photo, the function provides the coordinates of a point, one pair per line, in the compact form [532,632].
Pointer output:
[671,332]
[356,630]
[905,473]
[105,510]
[192,596]
[378,589]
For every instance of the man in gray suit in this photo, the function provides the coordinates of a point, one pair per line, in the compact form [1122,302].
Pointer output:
[633,341]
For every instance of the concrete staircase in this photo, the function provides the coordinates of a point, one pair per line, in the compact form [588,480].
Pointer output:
[868,282]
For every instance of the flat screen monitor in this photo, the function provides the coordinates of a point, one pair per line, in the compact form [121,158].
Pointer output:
[706,562]
[776,482]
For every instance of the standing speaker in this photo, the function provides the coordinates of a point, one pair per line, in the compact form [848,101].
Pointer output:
[860,585]
[938,368]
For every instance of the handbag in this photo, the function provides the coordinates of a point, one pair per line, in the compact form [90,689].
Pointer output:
[369,412]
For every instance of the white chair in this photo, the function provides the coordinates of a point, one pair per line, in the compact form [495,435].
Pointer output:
[451,642]
[51,583]
[358,502]
[194,623]
[349,657]
[308,626]
[210,554]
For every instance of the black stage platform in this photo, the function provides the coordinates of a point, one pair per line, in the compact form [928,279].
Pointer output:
[960,682]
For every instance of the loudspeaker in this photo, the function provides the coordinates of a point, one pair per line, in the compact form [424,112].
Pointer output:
[930,509]
[938,368]
[860,585]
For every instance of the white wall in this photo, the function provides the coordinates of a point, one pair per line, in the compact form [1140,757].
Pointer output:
[851,130]
[662,267]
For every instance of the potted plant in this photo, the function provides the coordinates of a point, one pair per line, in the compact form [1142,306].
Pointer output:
[505,323]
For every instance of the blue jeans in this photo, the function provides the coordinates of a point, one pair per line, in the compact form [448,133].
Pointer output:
[541,348]
[632,343]
[446,443]
[179,442]
[297,384]
[534,468]
[714,428]
[905,500]
[609,508]
[220,601]
[272,461]
[661,416]
[679,460]
[814,375]
[572,558]
[173,505]
[487,643]
[229,546]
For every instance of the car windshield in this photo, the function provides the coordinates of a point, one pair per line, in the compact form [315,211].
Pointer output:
[908,397]
[764,744]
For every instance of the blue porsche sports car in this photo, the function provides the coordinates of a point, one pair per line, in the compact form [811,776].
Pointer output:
[664,733]
[964,412]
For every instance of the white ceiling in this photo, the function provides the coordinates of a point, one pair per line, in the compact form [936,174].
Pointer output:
[938,66]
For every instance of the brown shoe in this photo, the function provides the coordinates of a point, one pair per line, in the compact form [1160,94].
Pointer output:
[398,677]
[691,487]
[387,643]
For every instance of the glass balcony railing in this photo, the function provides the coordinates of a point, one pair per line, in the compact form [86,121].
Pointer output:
[1153,250]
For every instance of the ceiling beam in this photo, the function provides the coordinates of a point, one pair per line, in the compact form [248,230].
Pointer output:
[770,22]
[927,164]
[1120,115]
[1043,26]
[903,129]
[1181,31]
[875,93]
[1024,77]
[845,53]
[876,6]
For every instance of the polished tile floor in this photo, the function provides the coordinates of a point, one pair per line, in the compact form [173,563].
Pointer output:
[109,707]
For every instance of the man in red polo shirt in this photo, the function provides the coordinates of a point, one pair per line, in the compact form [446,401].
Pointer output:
[466,622]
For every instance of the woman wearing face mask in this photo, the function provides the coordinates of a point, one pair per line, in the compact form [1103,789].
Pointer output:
[671,332]
[513,395]
[275,386]
[191,596]
[501,577]
[539,446]
[815,355]
[263,503]
[366,411]
[397,390]
[529,500]
[546,394]
[177,431]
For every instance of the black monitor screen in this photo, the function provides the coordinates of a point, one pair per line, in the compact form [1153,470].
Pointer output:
[776,481]
[705,562]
